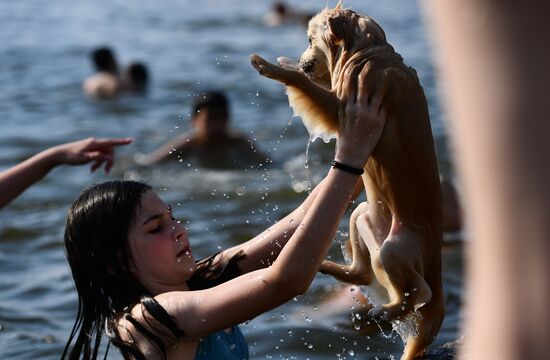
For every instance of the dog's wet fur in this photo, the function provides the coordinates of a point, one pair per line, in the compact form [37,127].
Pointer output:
[395,237]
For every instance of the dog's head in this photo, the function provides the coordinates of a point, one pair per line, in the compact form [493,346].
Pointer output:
[334,35]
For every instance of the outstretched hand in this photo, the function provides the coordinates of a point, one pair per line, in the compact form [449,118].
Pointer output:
[100,151]
[361,122]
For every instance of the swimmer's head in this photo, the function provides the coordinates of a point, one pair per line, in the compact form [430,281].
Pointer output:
[97,248]
[280,8]
[136,77]
[104,60]
[119,238]
[210,113]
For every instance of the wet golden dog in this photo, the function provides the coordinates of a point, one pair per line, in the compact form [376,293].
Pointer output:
[395,237]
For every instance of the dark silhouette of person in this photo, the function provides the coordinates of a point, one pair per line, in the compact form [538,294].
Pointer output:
[210,143]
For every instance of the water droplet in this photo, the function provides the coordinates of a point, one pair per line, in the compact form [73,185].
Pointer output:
[306,165]
[406,294]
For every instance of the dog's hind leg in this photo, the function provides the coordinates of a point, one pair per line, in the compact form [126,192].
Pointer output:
[404,298]
[428,325]
[409,291]
[359,272]
[416,345]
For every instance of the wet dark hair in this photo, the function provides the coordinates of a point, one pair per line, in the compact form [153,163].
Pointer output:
[138,76]
[97,249]
[210,99]
[280,8]
[96,246]
[104,60]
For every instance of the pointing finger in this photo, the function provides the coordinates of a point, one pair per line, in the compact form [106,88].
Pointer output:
[113,142]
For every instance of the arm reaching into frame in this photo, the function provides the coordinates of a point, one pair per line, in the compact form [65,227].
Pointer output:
[18,178]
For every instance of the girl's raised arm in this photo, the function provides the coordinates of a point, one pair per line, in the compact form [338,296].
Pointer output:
[198,313]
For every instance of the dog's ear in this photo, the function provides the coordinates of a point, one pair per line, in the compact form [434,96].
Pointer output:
[341,28]
[375,34]
[354,30]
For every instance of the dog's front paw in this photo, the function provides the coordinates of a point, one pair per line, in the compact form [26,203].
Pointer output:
[283,74]
[264,67]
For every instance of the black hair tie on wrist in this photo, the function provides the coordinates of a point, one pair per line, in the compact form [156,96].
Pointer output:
[347,168]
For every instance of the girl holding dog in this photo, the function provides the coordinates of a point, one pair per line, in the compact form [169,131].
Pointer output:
[138,281]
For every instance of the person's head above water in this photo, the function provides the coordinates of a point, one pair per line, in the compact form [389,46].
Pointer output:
[103,59]
[121,241]
[136,78]
[280,8]
[210,113]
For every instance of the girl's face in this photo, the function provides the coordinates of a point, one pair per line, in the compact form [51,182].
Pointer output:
[159,246]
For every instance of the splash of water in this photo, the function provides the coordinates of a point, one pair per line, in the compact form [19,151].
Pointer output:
[408,326]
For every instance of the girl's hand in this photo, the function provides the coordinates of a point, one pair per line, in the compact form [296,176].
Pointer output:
[361,122]
[99,151]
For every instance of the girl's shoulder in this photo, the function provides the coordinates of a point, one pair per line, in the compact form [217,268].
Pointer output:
[142,328]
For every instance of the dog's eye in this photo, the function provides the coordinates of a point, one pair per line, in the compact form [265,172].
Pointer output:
[309,40]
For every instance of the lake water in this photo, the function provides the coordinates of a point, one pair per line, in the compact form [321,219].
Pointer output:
[189,46]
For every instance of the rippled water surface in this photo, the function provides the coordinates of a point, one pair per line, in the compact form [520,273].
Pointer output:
[189,45]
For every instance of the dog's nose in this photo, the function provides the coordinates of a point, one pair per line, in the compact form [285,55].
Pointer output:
[307,66]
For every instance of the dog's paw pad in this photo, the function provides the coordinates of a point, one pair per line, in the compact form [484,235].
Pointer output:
[259,64]
[258,60]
